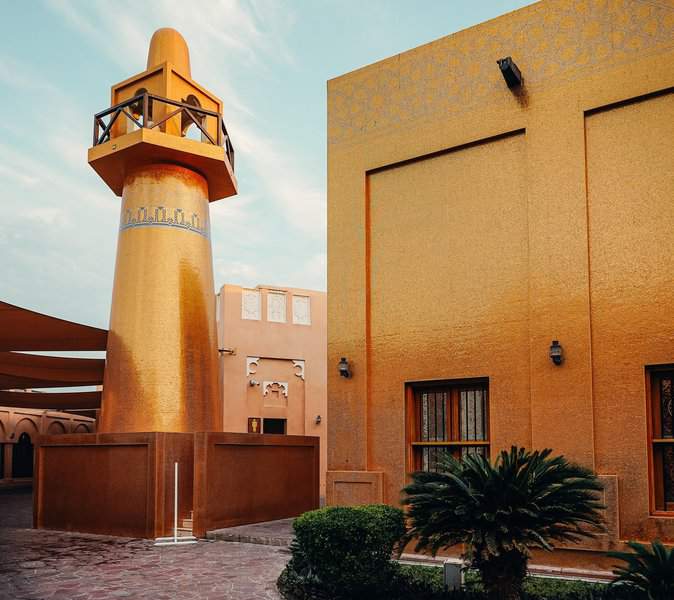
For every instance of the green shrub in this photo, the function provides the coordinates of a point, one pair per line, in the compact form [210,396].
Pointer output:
[344,552]
[649,571]
[500,511]
[416,582]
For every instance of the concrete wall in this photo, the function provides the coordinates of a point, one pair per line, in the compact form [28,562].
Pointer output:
[470,225]
[284,357]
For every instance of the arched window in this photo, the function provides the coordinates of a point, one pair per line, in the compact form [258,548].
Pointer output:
[188,128]
[136,109]
[22,457]
[56,428]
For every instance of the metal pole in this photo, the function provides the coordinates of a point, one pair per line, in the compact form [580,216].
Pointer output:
[166,541]
[175,502]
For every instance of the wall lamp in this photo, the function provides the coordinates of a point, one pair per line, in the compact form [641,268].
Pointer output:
[510,71]
[318,419]
[344,369]
[556,352]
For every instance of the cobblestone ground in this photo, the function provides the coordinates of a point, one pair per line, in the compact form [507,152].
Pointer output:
[37,565]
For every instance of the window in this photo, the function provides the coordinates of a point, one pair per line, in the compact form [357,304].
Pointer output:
[301,310]
[274,426]
[250,305]
[276,307]
[447,418]
[662,439]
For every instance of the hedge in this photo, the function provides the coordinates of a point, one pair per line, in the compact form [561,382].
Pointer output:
[344,552]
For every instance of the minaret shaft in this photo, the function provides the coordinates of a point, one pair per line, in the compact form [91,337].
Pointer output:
[162,368]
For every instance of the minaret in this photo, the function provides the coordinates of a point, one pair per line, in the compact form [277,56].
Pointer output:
[163,148]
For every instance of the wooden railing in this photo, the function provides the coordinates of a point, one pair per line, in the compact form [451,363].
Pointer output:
[139,110]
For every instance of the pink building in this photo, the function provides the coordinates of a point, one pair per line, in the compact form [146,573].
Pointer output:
[272,344]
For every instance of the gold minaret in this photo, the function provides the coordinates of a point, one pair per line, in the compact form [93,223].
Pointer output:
[163,148]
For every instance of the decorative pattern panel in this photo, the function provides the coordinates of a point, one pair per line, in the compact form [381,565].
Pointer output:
[276,307]
[165,216]
[250,305]
[281,386]
[252,363]
[299,368]
[301,310]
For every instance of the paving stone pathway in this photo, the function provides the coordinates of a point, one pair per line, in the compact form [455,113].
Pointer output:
[41,565]
[272,533]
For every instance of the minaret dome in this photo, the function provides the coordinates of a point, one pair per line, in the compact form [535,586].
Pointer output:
[167,45]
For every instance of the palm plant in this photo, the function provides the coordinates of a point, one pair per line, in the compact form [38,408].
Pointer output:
[501,511]
[650,570]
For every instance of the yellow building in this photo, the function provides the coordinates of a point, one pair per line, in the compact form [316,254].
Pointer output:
[471,224]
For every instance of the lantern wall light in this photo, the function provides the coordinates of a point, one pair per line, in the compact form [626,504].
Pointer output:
[344,369]
[556,352]
[510,71]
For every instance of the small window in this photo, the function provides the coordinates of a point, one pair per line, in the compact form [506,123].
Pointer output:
[274,426]
[276,307]
[189,128]
[250,305]
[136,110]
[301,310]
[662,439]
[447,419]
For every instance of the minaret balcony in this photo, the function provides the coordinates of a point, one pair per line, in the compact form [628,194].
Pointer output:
[148,128]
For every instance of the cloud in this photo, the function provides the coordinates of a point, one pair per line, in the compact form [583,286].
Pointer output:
[60,241]
[221,34]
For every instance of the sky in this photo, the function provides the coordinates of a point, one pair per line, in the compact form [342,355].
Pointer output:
[268,60]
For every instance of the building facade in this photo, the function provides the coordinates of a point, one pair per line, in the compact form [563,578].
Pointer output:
[19,428]
[272,355]
[471,225]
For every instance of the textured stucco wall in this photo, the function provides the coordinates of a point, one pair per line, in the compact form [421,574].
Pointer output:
[468,226]
[277,345]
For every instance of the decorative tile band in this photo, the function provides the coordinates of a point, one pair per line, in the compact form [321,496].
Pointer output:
[161,216]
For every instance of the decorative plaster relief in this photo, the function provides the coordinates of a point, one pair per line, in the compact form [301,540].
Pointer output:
[267,385]
[276,307]
[250,305]
[299,365]
[250,361]
[301,310]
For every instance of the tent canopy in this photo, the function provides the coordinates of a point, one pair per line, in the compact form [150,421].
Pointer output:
[24,330]
[51,401]
[35,371]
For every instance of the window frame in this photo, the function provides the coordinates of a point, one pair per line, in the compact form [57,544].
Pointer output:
[652,402]
[276,420]
[412,421]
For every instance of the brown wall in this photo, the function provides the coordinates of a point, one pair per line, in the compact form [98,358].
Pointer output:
[116,484]
[123,484]
[243,478]
[469,226]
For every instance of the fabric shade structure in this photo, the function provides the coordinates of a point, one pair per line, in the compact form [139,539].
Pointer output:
[51,401]
[34,371]
[26,330]
[23,330]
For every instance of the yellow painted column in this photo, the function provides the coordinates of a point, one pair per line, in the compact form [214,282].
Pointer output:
[162,368]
